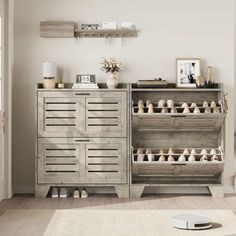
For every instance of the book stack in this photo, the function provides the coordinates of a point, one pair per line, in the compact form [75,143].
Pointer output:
[85,86]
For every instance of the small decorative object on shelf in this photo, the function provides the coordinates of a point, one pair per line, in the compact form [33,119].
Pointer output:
[210,83]
[61,84]
[200,82]
[113,67]
[188,70]
[109,25]
[89,26]
[154,83]
[128,25]
[49,75]
[85,82]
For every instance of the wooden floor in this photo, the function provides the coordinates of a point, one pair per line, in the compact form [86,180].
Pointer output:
[111,202]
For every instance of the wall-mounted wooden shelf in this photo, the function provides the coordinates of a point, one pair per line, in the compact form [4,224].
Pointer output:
[103,33]
[66,29]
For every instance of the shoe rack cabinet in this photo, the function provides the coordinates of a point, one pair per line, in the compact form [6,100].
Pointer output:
[82,138]
[164,130]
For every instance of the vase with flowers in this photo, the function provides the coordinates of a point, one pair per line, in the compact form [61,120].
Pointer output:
[113,67]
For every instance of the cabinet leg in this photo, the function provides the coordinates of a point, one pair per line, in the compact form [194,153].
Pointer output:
[122,191]
[41,191]
[216,191]
[136,191]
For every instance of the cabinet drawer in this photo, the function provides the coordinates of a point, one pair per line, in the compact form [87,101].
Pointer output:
[82,114]
[82,160]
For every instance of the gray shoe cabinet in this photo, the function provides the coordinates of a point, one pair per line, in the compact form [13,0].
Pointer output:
[90,138]
[158,131]
[82,139]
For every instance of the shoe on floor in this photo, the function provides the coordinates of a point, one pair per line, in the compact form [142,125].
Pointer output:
[54,193]
[76,193]
[64,193]
[84,193]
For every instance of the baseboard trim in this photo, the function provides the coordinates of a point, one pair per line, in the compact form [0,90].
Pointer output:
[28,189]
[1,189]
[23,189]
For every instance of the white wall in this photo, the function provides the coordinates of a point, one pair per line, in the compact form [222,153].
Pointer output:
[168,29]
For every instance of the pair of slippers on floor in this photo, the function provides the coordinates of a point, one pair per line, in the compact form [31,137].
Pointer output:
[63,193]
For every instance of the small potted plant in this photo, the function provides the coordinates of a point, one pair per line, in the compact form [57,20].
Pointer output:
[113,67]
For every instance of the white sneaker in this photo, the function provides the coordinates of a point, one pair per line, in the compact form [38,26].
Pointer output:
[76,193]
[54,193]
[64,193]
[84,193]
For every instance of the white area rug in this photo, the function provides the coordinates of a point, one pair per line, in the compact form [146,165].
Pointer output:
[134,223]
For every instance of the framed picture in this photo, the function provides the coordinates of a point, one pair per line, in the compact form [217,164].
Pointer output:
[188,69]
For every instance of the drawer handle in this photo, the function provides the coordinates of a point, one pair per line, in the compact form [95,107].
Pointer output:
[180,164]
[82,94]
[181,116]
[82,140]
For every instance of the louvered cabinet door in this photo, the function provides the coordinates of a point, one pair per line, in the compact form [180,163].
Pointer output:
[60,114]
[60,162]
[106,161]
[106,115]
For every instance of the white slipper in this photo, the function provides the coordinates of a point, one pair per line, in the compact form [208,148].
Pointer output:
[54,193]
[84,193]
[64,193]
[76,193]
